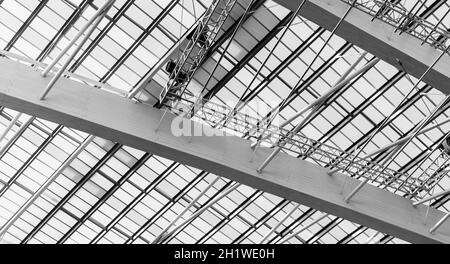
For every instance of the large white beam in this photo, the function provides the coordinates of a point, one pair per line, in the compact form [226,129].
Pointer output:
[118,119]
[377,37]
[147,83]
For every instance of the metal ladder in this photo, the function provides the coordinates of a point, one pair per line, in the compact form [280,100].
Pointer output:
[195,51]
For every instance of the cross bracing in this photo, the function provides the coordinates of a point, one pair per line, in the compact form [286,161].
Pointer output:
[117,55]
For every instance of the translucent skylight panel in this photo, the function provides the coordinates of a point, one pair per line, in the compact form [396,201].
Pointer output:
[20,9]
[98,61]
[113,237]
[108,210]
[143,12]
[89,230]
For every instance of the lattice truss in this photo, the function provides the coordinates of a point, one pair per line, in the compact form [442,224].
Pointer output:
[59,185]
[193,55]
[413,19]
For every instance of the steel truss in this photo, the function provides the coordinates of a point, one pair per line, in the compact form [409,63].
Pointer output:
[408,21]
[196,49]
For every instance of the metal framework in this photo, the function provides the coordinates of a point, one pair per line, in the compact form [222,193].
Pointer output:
[410,20]
[267,59]
[194,53]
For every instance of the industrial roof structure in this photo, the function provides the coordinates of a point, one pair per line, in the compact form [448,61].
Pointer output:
[336,116]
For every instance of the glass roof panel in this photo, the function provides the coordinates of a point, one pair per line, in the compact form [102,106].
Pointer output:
[109,193]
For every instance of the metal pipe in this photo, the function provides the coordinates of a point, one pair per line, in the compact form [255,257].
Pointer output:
[392,156]
[424,160]
[315,107]
[97,21]
[438,224]
[200,211]
[163,60]
[282,104]
[275,152]
[302,229]
[400,141]
[45,186]
[241,21]
[435,26]
[17,134]
[431,197]
[417,130]
[367,179]
[10,126]
[372,237]
[75,76]
[381,126]
[199,100]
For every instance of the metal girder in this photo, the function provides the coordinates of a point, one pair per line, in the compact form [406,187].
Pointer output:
[71,193]
[88,28]
[120,120]
[178,198]
[111,22]
[283,102]
[146,81]
[25,25]
[262,221]
[376,38]
[45,186]
[171,53]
